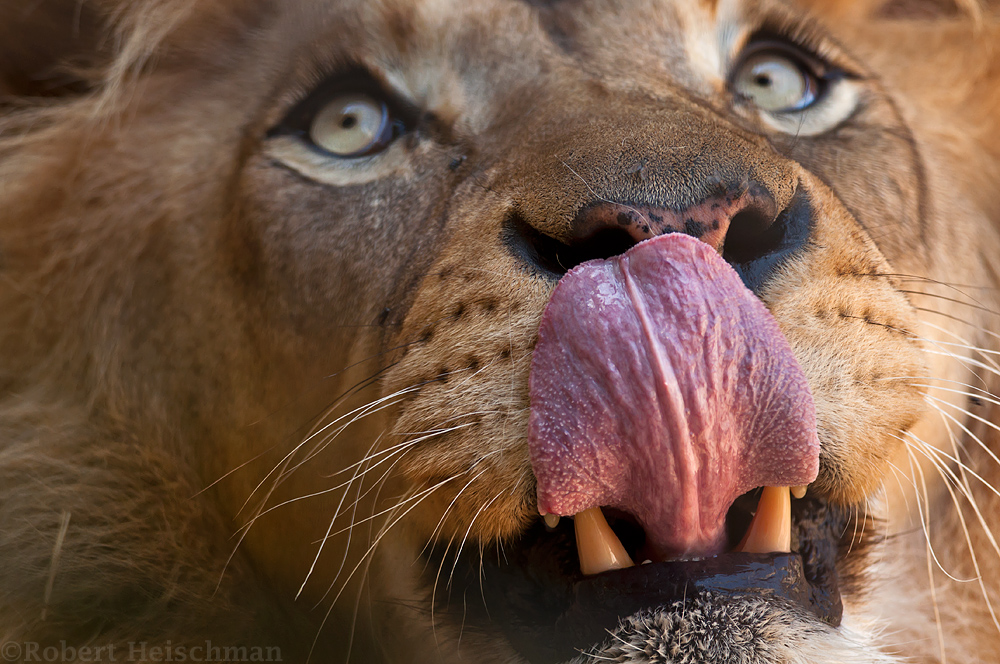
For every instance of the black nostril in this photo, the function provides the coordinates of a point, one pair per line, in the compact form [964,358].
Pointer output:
[758,242]
[558,258]
[752,233]
[603,243]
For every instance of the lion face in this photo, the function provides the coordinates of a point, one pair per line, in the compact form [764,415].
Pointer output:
[405,283]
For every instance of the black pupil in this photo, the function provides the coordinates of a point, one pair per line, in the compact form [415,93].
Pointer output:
[349,122]
[763,80]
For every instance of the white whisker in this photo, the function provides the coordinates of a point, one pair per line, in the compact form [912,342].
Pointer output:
[400,450]
[971,435]
[366,409]
[966,492]
[447,510]
[963,321]
[972,305]
[437,580]
[333,520]
[931,556]
[923,508]
[468,530]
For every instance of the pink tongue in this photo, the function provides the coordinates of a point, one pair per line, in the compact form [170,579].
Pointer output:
[661,386]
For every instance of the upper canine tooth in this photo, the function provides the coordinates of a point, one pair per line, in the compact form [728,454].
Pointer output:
[597,545]
[771,528]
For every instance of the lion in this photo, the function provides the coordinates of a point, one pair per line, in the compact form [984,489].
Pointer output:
[499,331]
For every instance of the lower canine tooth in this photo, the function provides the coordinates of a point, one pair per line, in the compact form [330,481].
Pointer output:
[771,528]
[597,545]
[551,521]
[799,491]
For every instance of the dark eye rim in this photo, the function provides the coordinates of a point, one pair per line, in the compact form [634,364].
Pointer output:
[819,74]
[399,116]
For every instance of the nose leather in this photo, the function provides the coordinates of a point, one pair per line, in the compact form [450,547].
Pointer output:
[708,221]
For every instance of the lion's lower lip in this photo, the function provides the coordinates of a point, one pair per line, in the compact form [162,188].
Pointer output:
[591,608]
[534,593]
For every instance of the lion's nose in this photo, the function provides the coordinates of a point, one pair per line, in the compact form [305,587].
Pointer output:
[741,221]
[744,211]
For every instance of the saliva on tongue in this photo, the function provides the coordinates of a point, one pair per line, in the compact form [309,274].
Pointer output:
[662,387]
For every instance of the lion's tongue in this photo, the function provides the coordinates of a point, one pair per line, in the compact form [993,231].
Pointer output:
[661,386]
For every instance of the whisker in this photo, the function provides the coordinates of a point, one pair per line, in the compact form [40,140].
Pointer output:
[360,410]
[376,515]
[982,522]
[601,198]
[965,429]
[372,407]
[418,498]
[955,335]
[357,605]
[333,489]
[482,590]
[437,579]
[338,373]
[399,393]
[330,436]
[931,556]
[234,470]
[916,277]
[468,530]
[347,548]
[967,346]
[444,514]
[943,351]
[981,392]
[966,491]
[336,512]
[385,530]
[963,321]
[982,396]
[924,509]
[388,451]
[967,362]
[932,454]
[398,451]
[284,474]
[282,464]
[954,300]
[390,509]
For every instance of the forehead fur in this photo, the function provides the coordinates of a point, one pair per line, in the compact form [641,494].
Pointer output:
[135,31]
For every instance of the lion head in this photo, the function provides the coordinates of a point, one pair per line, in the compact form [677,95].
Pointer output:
[499,331]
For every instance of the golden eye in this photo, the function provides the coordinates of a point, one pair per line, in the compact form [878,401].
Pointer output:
[352,125]
[775,83]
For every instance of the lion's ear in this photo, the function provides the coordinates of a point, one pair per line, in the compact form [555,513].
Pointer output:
[47,47]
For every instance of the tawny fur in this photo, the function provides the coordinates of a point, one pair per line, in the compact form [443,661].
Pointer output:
[179,316]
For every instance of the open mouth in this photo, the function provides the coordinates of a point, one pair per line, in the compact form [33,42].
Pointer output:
[671,420]
[534,591]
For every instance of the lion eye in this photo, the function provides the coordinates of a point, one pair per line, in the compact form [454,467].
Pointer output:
[353,125]
[775,82]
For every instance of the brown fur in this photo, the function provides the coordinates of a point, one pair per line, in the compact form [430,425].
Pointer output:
[185,302]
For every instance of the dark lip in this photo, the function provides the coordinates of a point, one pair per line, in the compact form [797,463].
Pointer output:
[532,592]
